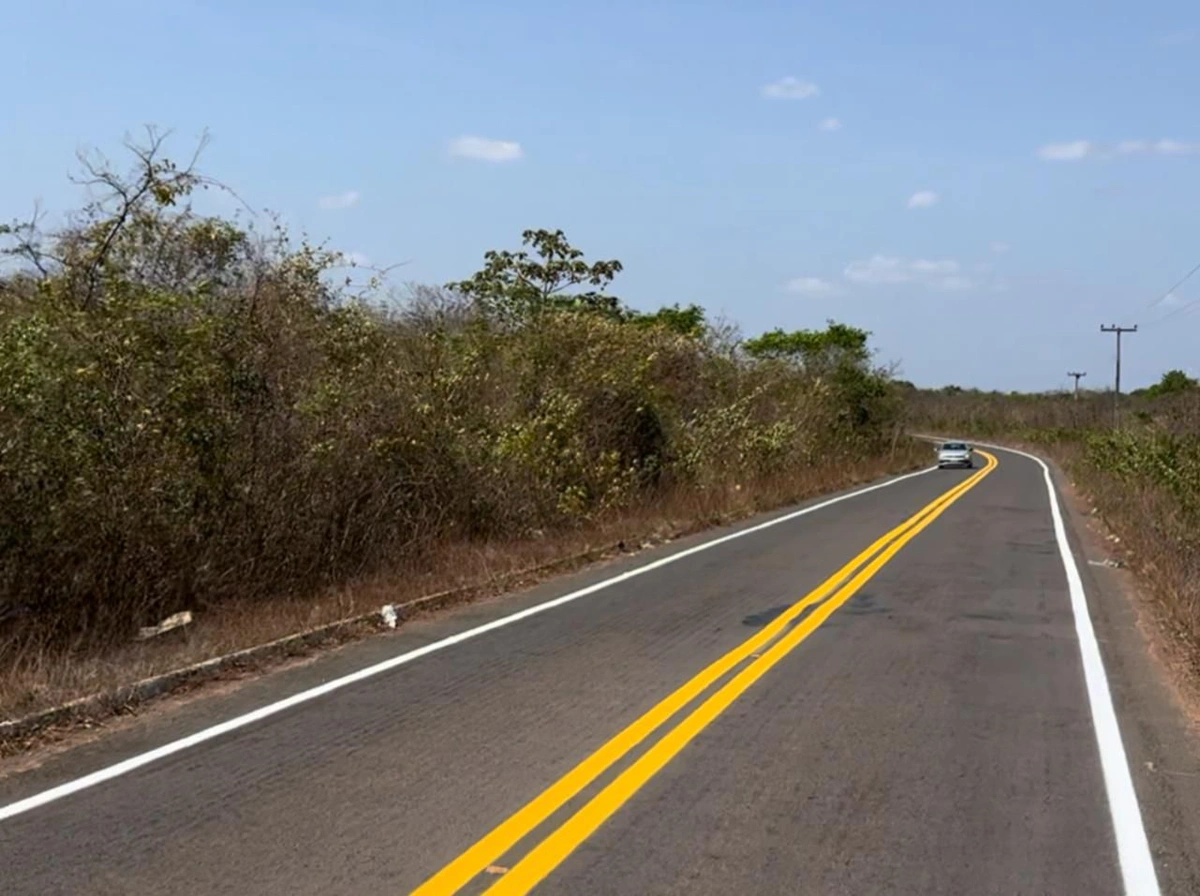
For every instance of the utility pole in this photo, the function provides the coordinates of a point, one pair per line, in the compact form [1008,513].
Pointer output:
[1077,374]
[1117,389]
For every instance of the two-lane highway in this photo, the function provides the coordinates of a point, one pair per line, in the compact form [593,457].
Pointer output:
[897,690]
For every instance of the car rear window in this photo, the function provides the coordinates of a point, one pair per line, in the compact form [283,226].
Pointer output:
[954,446]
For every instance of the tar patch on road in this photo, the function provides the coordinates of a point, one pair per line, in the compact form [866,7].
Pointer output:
[1044,547]
[859,605]
[863,605]
[758,620]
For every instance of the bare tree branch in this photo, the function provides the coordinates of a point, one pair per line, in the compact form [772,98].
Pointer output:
[27,241]
[155,182]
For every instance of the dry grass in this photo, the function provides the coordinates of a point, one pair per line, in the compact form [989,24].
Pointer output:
[36,676]
[1156,538]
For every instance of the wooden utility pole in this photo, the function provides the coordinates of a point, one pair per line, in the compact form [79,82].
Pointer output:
[1117,388]
[1077,374]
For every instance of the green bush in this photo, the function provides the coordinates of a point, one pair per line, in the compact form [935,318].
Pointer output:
[1154,457]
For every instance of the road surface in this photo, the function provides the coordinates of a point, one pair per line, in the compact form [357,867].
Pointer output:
[886,694]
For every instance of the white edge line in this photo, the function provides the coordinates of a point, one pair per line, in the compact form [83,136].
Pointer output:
[1133,848]
[184,743]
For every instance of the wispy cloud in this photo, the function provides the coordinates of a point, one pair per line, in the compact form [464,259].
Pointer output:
[1130,147]
[956,283]
[484,149]
[940,273]
[790,88]
[339,200]
[999,247]
[923,199]
[1180,38]
[1174,148]
[1156,147]
[1067,152]
[809,286]
[830,124]
[1076,150]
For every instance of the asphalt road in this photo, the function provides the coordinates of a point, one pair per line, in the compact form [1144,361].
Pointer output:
[925,729]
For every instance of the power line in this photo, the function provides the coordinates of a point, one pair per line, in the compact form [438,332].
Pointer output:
[1185,279]
[1186,306]
[1170,292]
[1158,300]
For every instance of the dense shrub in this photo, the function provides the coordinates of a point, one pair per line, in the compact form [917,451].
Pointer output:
[192,411]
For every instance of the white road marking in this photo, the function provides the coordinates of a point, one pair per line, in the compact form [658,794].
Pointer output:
[1133,848]
[177,746]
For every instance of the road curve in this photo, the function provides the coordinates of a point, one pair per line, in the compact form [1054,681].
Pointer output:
[888,694]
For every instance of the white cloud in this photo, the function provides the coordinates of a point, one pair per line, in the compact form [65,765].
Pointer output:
[1159,147]
[830,124]
[1174,147]
[810,286]
[925,266]
[790,88]
[1083,149]
[889,269]
[923,199]
[999,247]
[1170,299]
[878,269]
[940,273]
[1066,152]
[339,200]
[485,150]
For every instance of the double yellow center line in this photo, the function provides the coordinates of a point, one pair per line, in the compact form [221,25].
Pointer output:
[547,855]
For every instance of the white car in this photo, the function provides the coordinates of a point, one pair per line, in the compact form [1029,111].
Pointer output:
[955,454]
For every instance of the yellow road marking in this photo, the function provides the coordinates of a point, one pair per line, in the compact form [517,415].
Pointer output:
[502,838]
[547,855]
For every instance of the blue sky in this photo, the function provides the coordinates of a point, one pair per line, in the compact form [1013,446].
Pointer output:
[980,185]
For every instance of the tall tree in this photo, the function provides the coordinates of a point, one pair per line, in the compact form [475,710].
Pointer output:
[1172,381]
[516,285]
[836,346]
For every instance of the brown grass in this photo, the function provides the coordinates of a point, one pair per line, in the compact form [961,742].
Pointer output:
[1156,538]
[35,676]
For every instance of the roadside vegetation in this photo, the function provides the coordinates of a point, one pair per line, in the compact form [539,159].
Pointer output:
[1142,476]
[202,415]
